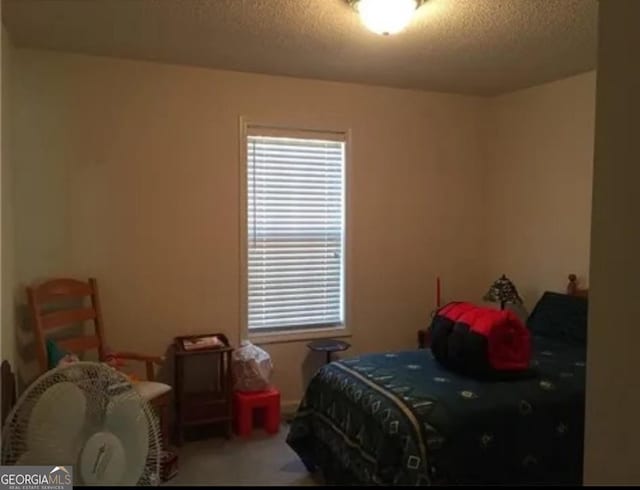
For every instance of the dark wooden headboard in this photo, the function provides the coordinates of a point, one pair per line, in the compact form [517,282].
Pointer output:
[573,289]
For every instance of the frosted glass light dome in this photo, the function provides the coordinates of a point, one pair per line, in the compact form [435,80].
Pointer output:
[386,16]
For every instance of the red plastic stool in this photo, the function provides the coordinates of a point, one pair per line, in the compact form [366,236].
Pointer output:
[244,402]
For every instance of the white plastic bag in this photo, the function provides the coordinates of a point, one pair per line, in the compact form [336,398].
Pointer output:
[251,367]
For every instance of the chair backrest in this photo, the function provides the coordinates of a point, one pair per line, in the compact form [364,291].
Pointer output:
[59,292]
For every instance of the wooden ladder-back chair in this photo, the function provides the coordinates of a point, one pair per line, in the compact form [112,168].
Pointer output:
[61,292]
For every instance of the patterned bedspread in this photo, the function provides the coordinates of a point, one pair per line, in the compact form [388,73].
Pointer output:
[401,418]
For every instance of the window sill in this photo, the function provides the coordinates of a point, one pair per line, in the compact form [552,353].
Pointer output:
[299,335]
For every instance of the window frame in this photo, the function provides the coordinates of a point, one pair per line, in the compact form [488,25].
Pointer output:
[297,334]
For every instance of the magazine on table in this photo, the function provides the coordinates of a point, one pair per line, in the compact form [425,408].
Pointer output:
[202,342]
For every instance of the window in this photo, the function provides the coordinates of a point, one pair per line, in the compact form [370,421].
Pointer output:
[295,230]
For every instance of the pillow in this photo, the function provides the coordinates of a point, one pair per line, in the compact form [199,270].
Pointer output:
[561,317]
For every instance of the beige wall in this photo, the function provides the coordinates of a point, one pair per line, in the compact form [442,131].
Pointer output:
[129,171]
[612,441]
[540,163]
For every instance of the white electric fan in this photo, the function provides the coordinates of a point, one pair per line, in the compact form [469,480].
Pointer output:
[86,415]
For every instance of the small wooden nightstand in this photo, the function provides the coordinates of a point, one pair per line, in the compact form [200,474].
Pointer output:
[209,407]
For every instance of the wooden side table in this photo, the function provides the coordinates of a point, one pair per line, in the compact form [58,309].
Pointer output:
[204,407]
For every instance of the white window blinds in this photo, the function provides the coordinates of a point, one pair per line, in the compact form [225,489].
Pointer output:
[295,231]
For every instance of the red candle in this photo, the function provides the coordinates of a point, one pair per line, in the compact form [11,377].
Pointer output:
[438,292]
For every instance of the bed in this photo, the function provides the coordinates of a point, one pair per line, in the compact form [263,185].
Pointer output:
[402,419]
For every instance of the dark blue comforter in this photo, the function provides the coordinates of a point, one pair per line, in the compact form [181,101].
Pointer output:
[401,418]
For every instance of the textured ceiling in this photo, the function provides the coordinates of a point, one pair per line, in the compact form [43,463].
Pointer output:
[468,46]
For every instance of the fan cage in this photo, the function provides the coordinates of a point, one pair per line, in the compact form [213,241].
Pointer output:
[100,384]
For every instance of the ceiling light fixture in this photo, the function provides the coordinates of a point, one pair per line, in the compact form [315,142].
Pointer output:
[386,17]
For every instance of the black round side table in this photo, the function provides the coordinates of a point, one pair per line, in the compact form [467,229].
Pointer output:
[328,346]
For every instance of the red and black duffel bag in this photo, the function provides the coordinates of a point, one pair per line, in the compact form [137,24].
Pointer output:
[481,342]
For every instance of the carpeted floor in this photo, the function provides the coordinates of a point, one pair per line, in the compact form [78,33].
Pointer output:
[260,460]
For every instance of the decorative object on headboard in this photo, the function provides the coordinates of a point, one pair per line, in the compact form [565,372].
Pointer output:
[573,289]
[503,291]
